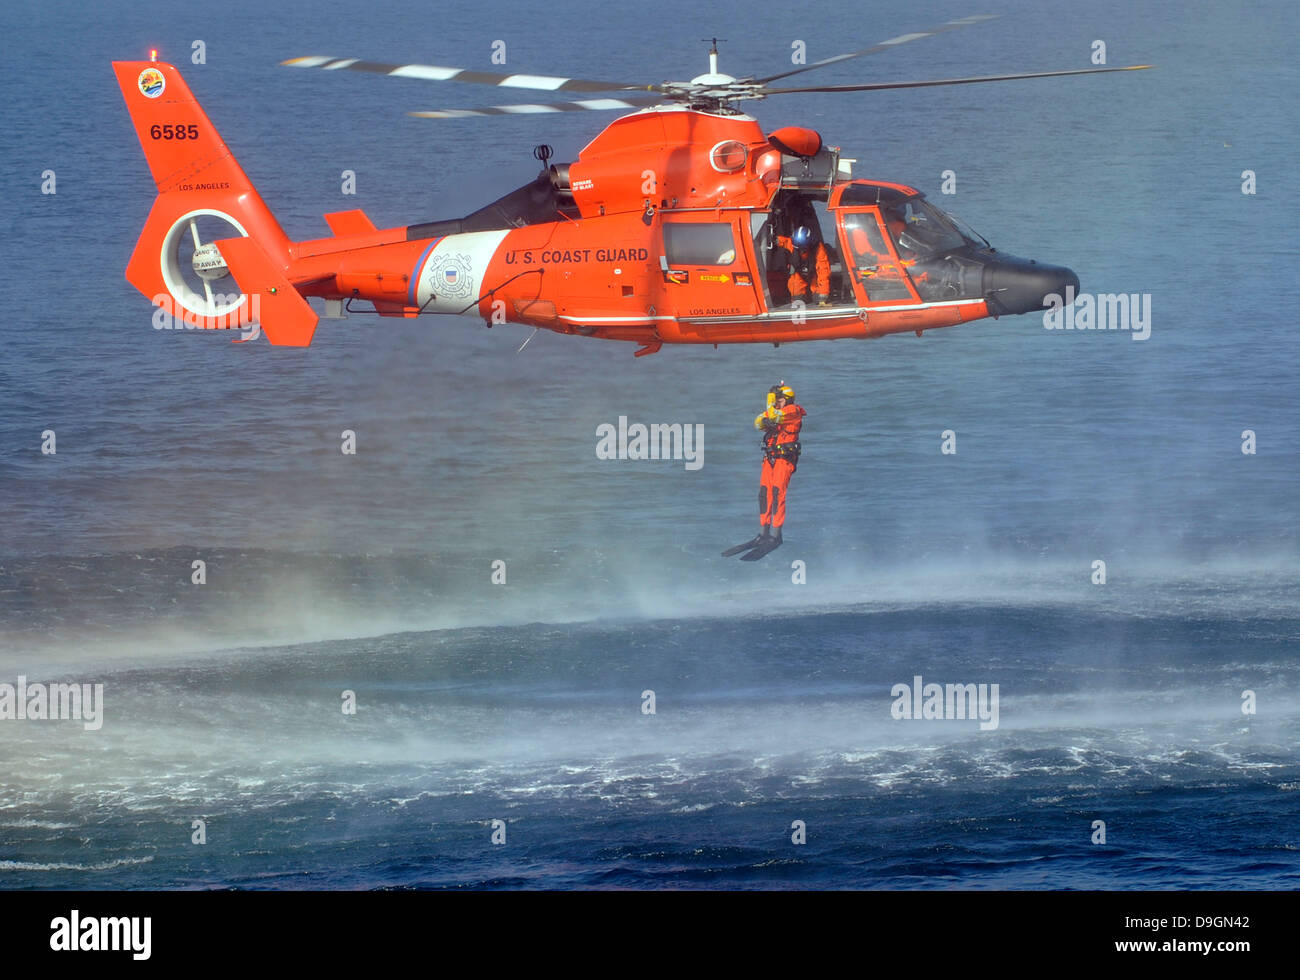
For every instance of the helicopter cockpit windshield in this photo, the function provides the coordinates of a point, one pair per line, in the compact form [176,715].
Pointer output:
[943,258]
[918,227]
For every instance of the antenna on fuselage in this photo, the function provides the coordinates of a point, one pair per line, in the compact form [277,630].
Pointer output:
[543,152]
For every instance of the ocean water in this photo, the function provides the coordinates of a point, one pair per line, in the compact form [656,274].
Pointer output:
[523,702]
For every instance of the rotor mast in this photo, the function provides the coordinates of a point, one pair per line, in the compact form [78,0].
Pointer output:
[713,55]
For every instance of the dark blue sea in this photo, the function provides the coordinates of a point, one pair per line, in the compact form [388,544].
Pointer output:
[1162,706]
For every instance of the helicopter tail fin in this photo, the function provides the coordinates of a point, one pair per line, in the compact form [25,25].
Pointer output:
[204,197]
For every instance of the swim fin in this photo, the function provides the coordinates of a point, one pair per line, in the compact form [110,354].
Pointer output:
[766,544]
[749,545]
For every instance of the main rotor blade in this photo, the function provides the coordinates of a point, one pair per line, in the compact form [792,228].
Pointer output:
[438,73]
[598,105]
[877,86]
[893,42]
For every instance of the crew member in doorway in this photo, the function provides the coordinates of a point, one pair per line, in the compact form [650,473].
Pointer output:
[810,266]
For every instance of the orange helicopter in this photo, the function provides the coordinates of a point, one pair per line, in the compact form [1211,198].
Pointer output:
[667,229]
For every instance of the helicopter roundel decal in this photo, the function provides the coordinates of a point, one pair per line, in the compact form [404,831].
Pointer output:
[151,83]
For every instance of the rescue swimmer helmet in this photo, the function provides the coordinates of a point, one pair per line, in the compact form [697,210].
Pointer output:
[802,237]
[783,390]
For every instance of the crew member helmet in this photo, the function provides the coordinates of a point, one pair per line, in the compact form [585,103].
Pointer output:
[784,391]
[802,237]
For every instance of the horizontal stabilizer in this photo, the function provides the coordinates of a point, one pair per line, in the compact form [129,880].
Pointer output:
[285,317]
[349,223]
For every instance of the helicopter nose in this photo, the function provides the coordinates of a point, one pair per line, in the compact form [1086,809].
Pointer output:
[1016,285]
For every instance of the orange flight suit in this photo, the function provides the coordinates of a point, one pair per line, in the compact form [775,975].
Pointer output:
[809,267]
[780,458]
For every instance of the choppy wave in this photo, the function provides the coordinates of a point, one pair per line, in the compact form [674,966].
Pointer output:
[65,866]
[760,720]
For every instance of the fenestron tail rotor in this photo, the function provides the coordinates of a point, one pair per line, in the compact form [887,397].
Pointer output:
[713,91]
[193,269]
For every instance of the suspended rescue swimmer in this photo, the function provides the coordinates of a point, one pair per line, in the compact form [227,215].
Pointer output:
[781,422]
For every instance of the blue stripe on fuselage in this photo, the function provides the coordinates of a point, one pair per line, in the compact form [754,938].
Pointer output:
[419,266]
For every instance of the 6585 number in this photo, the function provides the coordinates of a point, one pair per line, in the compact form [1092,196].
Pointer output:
[167,131]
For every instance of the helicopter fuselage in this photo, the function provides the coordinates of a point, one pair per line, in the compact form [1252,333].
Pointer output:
[674,225]
[670,230]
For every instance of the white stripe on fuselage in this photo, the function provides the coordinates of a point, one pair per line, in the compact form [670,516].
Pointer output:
[453,272]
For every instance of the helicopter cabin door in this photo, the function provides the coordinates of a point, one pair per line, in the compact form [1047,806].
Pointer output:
[705,265]
[870,261]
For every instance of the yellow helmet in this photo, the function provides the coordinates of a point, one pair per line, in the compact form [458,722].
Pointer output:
[783,390]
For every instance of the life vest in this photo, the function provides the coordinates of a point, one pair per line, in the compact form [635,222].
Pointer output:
[782,440]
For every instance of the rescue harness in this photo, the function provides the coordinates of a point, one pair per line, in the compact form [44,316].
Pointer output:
[772,451]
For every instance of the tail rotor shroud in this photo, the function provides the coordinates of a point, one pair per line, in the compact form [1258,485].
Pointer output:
[193,269]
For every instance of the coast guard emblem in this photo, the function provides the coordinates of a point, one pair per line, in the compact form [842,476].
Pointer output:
[449,275]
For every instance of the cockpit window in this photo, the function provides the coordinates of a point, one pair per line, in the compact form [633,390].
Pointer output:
[922,231]
[870,261]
